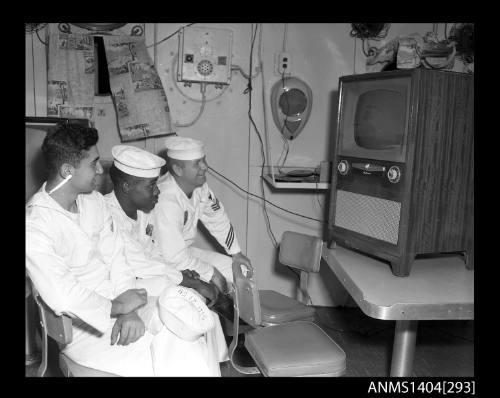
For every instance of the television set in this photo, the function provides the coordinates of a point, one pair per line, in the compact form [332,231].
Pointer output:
[404,179]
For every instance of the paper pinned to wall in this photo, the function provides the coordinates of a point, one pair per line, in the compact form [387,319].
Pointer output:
[70,77]
[140,100]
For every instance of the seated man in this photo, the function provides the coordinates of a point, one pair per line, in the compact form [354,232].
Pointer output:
[134,173]
[74,257]
[184,199]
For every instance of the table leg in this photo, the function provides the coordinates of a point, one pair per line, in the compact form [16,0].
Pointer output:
[404,347]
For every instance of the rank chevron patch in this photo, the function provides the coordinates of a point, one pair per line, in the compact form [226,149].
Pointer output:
[230,237]
[216,205]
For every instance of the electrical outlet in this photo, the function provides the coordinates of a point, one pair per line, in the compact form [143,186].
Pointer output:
[283,63]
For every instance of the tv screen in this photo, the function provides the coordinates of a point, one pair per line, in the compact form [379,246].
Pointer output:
[379,121]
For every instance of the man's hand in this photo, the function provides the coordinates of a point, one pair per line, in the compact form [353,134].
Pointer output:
[128,301]
[189,273]
[219,281]
[130,327]
[209,291]
[240,258]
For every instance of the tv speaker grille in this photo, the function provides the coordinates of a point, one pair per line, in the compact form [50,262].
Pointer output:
[367,215]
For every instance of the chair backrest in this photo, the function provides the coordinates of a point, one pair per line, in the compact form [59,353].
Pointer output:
[247,301]
[300,251]
[58,327]
[246,307]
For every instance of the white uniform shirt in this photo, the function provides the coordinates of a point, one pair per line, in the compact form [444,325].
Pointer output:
[76,260]
[141,253]
[176,218]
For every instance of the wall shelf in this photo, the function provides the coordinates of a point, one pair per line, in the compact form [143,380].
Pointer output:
[45,122]
[317,186]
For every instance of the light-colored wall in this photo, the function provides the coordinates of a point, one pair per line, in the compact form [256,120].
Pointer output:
[321,53]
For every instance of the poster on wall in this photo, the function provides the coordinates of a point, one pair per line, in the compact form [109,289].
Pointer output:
[143,76]
[57,95]
[76,112]
[140,101]
[70,75]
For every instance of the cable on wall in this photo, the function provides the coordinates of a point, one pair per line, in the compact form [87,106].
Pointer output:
[285,31]
[366,31]
[268,221]
[169,36]
[34,28]
[264,199]
[33,68]
[155,35]
[264,97]
[202,107]
[248,91]
[375,31]
[237,68]
[263,85]
[286,145]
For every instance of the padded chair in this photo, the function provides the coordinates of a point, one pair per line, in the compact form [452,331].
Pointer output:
[302,252]
[59,328]
[299,251]
[298,348]
[32,350]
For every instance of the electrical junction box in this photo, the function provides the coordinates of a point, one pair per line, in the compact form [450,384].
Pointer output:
[283,63]
[205,55]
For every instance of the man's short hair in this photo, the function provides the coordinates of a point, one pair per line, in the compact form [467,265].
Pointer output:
[66,143]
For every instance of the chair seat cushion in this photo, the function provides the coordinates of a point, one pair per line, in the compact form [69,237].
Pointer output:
[67,365]
[299,348]
[278,308]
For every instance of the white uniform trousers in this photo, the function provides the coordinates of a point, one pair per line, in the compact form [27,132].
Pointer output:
[158,353]
[220,261]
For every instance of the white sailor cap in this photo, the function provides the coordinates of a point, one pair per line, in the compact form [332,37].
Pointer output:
[136,162]
[184,312]
[184,148]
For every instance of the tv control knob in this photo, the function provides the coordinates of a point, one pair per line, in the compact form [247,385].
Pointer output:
[343,167]
[394,174]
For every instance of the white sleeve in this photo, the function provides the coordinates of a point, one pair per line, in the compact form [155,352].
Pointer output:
[142,264]
[58,287]
[145,266]
[169,221]
[112,248]
[155,285]
[215,218]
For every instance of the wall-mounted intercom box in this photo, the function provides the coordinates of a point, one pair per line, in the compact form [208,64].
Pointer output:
[205,55]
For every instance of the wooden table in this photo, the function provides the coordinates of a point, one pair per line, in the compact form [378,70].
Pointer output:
[439,288]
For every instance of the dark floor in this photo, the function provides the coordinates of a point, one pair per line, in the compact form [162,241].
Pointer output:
[444,348]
